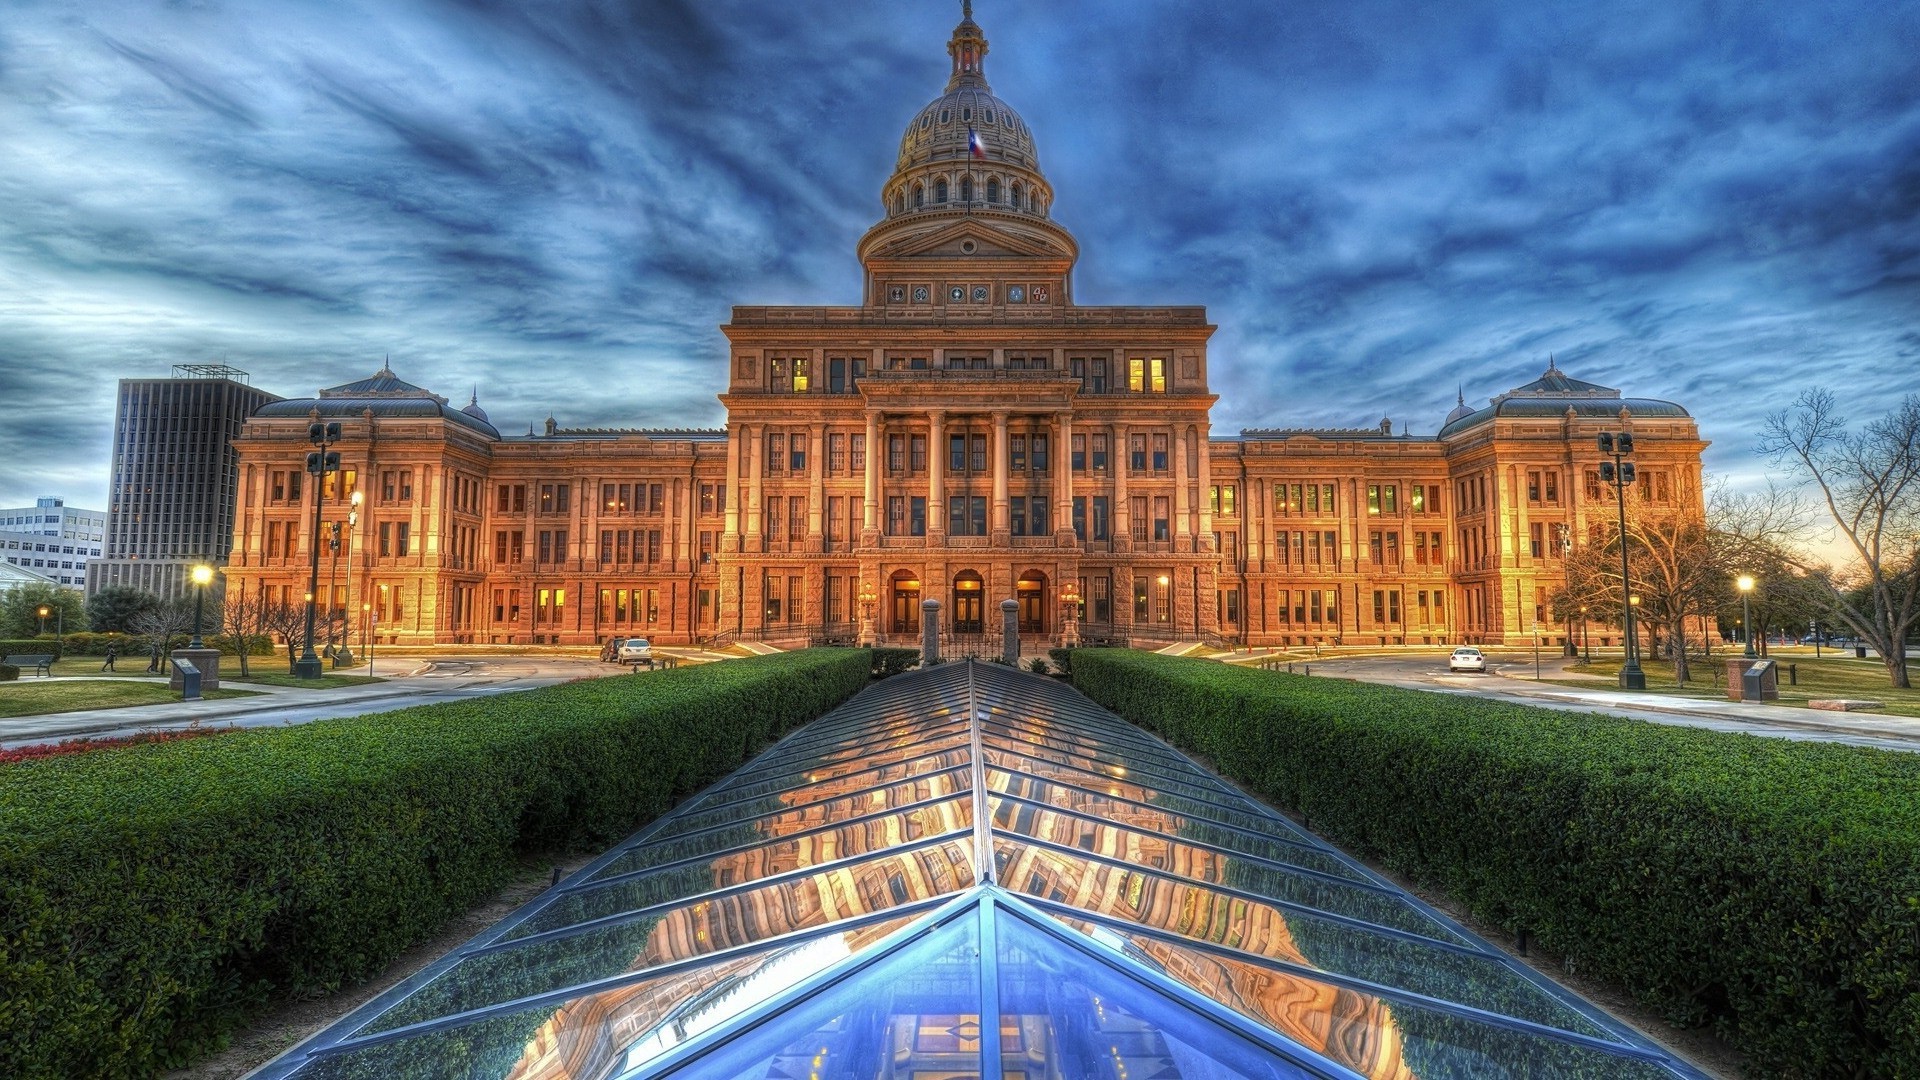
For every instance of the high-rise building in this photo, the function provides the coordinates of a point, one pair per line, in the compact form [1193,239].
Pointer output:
[966,433]
[52,539]
[170,504]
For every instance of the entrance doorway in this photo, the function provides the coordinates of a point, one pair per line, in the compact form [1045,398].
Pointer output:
[905,589]
[968,602]
[1031,592]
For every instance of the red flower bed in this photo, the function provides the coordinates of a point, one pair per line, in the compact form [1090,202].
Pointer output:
[83,744]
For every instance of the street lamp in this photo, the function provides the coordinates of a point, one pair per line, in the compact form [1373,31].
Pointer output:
[346,606]
[1745,584]
[320,463]
[867,600]
[1070,599]
[1620,473]
[1566,567]
[1586,640]
[202,577]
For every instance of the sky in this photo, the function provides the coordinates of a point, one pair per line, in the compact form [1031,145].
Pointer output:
[1380,202]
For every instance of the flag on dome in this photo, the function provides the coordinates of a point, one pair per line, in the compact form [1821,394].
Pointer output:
[975,145]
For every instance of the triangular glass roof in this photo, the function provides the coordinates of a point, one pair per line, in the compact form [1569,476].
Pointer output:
[965,842]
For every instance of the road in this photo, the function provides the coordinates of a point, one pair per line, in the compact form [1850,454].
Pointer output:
[1510,678]
[409,681]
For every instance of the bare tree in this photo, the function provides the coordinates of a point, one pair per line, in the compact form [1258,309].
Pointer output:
[287,620]
[1869,483]
[161,622]
[242,618]
[1679,568]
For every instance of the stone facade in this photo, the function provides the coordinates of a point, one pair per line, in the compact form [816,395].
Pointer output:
[966,434]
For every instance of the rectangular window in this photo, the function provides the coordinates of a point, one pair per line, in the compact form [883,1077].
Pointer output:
[917,452]
[1101,513]
[1137,453]
[1137,517]
[781,375]
[1419,499]
[401,542]
[957,454]
[1536,542]
[1017,453]
[1140,599]
[1079,463]
[1157,375]
[1592,483]
[837,375]
[389,488]
[1036,514]
[776,452]
[836,454]
[1533,486]
[1390,499]
[1040,455]
[1373,499]
[896,454]
[957,515]
[917,516]
[1161,513]
[896,515]
[1393,606]
[1160,452]
[1017,515]
[860,454]
[1136,374]
[1553,486]
[796,457]
[977,459]
[386,539]
[1080,518]
[1099,451]
[1222,499]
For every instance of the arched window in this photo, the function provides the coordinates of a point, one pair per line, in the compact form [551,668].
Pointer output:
[989,116]
[946,115]
[993,189]
[1016,195]
[940,190]
[900,203]
[919,196]
[966,114]
[966,189]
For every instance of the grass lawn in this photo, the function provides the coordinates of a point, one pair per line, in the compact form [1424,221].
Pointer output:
[1828,677]
[35,697]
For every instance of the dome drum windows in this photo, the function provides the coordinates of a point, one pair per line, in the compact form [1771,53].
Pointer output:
[966,189]
[993,189]
[940,190]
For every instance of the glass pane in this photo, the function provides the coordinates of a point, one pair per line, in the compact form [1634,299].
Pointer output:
[687,931]
[1204,914]
[598,1034]
[1072,1016]
[814,770]
[1371,1035]
[736,868]
[1113,843]
[1159,819]
[1042,732]
[824,803]
[856,746]
[1157,795]
[1133,771]
[873,833]
[913,1014]
[799,777]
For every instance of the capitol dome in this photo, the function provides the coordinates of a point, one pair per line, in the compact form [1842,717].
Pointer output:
[967,149]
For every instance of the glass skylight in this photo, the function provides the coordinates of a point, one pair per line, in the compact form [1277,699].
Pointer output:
[968,842]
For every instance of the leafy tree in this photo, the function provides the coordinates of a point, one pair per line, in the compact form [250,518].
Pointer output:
[1868,482]
[110,609]
[20,610]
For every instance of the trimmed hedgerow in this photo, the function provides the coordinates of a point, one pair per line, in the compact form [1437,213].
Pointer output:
[893,661]
[1768,888]
[151,896]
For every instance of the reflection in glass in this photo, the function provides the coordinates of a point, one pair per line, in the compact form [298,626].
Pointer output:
[825,803]
[871,775]
[536,967]
[1158,795]
[594,1035]
[912,1015]
[1139,815]
[1365,1033]
[1077,1018]
[1204,914]
[1155,852]
[1134,775]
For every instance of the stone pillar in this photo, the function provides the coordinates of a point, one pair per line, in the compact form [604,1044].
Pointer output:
[756,459]
[929,632]
[1062,460]
[1000,527]
[875,462]
[1207,480]
[735,445]
[816,486]
[1182,507]
[936,474]
[207,660]
[1010,632]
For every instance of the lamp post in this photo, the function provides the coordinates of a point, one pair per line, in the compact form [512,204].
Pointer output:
[1566,566]
[44,612]
[1745,584]
[1070,599]
[320,463]
[1620,473]
[346,607]
[202,577]
[867,600]
[1586,640]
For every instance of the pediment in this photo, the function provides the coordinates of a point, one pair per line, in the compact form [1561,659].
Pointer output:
[987,242]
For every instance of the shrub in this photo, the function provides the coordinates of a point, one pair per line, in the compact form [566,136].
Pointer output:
[893,661]
[8,673]
[1037,666]
[1766,887]
[28,646]
[1062,660]
[151,896]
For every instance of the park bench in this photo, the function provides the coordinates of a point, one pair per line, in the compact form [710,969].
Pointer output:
[40,662]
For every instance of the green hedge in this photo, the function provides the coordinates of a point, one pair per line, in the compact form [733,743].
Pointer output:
[8,672]
[1766,887]
[150,897]
[83,643]
[891,661]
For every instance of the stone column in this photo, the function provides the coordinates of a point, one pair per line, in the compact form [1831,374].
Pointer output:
[875,460]
[735,445]
[1206,482]
[751,540]
[1062,461]
[936,474]
[1010,632]
[929,632]
[1000,527]
[816,486]
[1182,507]
[1122,524]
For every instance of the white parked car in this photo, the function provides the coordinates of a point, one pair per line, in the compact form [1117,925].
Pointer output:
[636,651]
[1467,658]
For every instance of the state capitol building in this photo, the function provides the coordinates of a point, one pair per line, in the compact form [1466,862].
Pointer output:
[967,433]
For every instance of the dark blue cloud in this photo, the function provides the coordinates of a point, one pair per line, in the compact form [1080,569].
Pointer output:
[1379,201]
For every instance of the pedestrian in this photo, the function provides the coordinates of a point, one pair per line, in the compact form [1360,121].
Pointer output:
[153,649]
[113,653]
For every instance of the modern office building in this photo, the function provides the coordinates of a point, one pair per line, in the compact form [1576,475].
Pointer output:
[966,433]
[52,539]
[171,500]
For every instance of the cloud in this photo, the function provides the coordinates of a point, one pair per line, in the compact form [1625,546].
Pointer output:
[1379,201]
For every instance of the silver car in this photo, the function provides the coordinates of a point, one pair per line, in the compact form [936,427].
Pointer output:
[1467,658]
